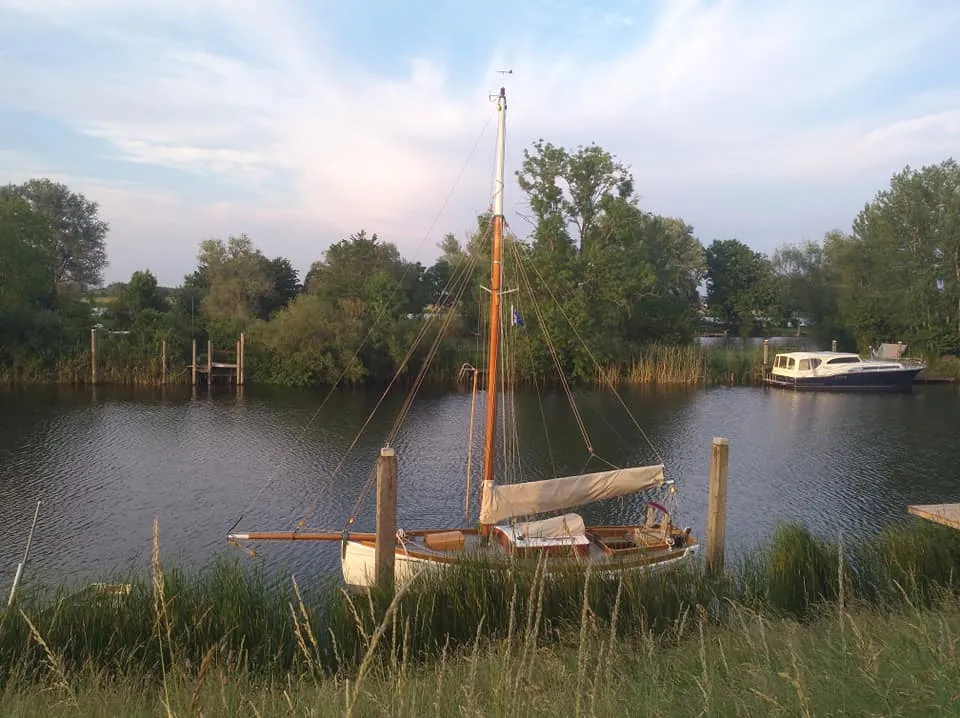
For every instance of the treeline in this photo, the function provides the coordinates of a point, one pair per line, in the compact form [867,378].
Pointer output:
[606,278]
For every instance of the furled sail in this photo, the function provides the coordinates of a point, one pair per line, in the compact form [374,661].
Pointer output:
[503,501]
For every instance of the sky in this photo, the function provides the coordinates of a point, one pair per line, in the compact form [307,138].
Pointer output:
[300,122]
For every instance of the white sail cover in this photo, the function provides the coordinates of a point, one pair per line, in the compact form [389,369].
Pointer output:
[503,501]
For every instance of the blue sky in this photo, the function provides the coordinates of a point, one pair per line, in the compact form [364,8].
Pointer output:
[301,122]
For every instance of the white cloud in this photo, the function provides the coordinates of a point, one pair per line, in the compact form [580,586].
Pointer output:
[713,98]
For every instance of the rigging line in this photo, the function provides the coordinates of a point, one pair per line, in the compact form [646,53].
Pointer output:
[431,354]
[462,279]
[607,380]
[536,386]
[366,338]
[313,507]
[556,360]
[368,485]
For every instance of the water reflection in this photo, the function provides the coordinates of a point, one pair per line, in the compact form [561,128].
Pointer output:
[105,464]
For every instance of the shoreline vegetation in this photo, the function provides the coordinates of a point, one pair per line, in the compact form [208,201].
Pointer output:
[602,288]
[801,626]
[657,365]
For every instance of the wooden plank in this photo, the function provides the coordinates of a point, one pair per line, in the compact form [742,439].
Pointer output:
[946,514]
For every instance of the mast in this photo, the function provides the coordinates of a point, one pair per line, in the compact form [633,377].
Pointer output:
[496,271]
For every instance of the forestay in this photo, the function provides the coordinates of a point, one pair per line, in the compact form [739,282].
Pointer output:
[504,501]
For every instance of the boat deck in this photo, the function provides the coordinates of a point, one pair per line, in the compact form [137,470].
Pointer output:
[594,552]
[945,514]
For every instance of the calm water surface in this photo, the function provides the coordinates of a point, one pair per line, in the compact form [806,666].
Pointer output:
[106,462]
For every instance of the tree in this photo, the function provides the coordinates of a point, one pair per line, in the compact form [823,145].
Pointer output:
[901,264]
[564,187]
[285,286]
[739,283]
[24,256]
[237,280]
[142,293]
[76,245]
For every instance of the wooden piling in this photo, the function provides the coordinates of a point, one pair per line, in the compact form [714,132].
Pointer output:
[766,352]
[209,364]
[717,508]
[163,362]
[193,364]
[386,541]
[236,372]
[833,345]
[241,370]
[93,355]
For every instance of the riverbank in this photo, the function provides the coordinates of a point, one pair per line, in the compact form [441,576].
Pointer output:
[656,364]
[240,631]
[851,662]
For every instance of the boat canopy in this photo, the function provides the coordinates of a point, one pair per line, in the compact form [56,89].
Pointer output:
[504,501]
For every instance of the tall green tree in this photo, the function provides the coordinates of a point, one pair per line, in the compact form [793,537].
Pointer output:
[900,267]
[571,188]
[237,280]
[739,284]
[76,243]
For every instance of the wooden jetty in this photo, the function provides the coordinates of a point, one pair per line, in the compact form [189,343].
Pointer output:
[945,514]
[210,371]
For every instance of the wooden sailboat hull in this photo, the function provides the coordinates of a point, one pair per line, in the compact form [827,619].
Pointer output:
[358,559]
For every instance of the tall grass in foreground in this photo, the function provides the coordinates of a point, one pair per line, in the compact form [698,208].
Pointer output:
[267,631]
[850,662]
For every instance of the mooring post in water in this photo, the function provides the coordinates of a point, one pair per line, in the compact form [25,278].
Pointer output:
[193,366]
[243,359]
[717,507]
[209,364]
[19,573]
[93,355]
[386,541]
[766,352]
[833,345]
[163,362]
[236,373]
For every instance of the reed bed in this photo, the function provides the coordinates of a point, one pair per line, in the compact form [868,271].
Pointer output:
[687,365]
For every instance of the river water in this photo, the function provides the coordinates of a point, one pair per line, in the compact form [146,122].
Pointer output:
[105,462]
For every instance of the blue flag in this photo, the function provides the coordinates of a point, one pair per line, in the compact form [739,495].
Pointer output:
[516,319]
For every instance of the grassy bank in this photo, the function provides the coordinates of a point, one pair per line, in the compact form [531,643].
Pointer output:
[801,628]
[850,662]
[267,630]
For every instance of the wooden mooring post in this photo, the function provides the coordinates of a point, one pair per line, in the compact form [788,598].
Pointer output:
[163,362]
[93,355]
[209,364]
[386,541]
[833,345]
[717,507]
[766,352]
[236,374]
[193,365]
[241,360]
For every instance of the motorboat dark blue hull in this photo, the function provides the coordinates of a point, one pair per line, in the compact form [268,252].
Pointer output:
[884,380]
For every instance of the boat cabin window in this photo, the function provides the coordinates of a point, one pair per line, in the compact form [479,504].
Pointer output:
[804,365]
[814,363]
[791,363]
[844,360]
[778,362]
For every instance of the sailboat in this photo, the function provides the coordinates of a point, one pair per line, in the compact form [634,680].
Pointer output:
[512,521]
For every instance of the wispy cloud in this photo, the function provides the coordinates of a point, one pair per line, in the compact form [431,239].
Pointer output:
[315,133]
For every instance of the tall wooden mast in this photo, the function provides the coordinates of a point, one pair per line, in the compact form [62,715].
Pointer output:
[496,272]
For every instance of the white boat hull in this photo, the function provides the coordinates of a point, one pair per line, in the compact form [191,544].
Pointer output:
[358,562]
